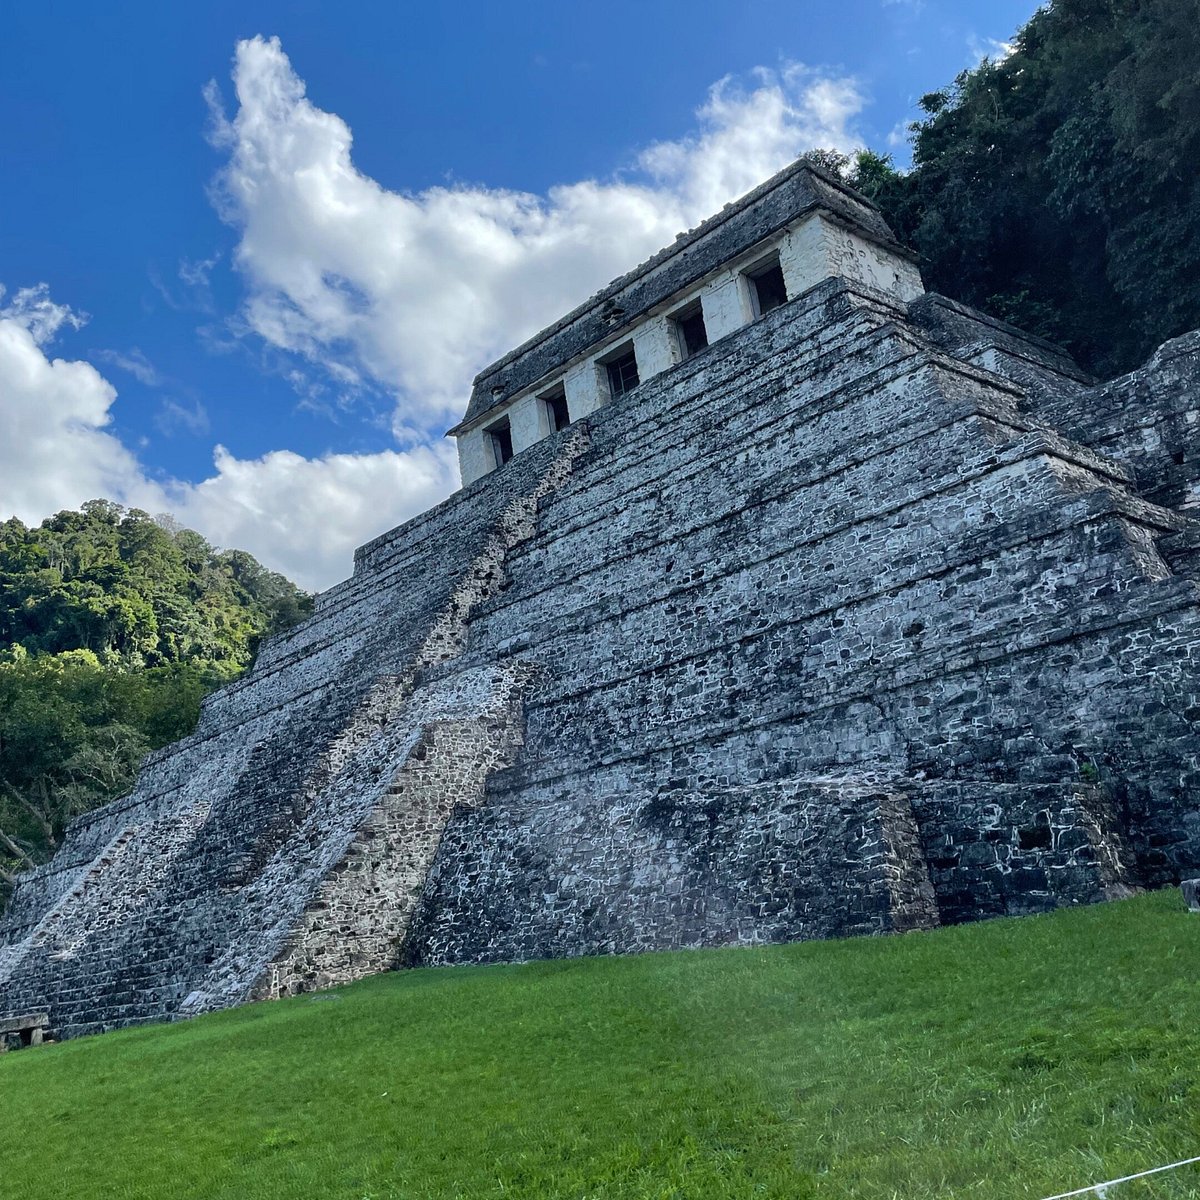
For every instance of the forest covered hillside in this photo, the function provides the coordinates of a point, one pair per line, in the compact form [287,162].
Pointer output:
[113,627]
[1058,188]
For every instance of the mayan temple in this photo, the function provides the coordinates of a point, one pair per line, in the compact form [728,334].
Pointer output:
[782,599]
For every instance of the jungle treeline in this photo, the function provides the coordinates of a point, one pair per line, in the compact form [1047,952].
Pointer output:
[1057,187]
[113,627]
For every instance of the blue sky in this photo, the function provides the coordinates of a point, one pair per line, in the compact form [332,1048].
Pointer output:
[216,305]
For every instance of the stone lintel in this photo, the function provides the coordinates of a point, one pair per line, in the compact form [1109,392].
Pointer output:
[24,1024]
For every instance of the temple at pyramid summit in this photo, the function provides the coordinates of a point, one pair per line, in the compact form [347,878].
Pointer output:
[782,599]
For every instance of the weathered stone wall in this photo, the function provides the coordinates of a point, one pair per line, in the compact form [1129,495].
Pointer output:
[826,550]
[776,861]
[357,919]
[1002,849]
[865,618]
[761,863]
[1149,419]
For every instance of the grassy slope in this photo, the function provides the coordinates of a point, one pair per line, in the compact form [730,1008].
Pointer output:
[1004,1059]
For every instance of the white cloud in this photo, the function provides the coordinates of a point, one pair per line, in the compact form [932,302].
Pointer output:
[32,309]
[193,291]
[134,363]
[990,48]
[173,416]
[195,272]
[54,445]
[403,294]
[414,293]
[302,516]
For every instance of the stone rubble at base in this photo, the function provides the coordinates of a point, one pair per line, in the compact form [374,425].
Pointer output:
[874,614]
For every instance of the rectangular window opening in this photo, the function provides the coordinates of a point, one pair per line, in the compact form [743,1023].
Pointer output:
[500,437]
[690,331]
[622,373]
[558,416]
[767,289]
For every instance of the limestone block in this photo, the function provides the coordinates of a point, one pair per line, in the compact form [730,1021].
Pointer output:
[584,389]
[523,421]
[819,248]
[1191,894]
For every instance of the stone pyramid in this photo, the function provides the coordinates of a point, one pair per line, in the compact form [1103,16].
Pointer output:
[871,614]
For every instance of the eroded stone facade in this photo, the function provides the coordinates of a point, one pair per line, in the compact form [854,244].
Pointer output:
[874,614]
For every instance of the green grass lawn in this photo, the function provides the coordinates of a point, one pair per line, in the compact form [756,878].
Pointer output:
[1011,1058]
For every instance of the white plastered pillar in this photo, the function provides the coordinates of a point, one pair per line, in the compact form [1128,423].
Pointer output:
[724,305]
[523,423]
[582,385]
[474,455]
[655,347]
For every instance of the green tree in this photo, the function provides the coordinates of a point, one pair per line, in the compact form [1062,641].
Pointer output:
[114,626]
[1057,188]
[137,592]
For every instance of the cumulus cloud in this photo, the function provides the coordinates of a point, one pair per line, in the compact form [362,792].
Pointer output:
[55,447]
[413,293]
[302,516]
[407,295]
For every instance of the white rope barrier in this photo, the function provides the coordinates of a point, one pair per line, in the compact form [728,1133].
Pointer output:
[1101,1188]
